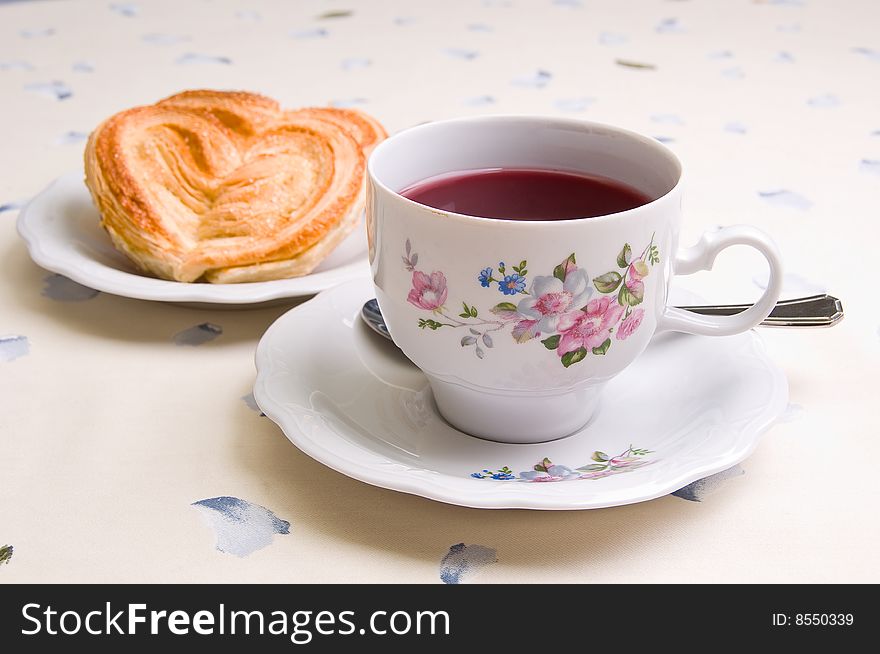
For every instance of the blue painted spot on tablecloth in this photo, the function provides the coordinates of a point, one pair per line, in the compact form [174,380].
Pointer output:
[574,104]
[312,33]
[720,54]
[734,72]
[251,403]
[461,561]
[461,53]
[355,63]
[783,57]
[37,32]
[342,103]
[241,527]
[667,119]
[198,335]
[71,137]
[197,58]
[13,205]
[824,101]
[664,138]
[479,27]
[248,14]
[698,490]
[6,554]
[669,26]
[870,53]
[785,198]
[15,64]
[60,288]
[479,101]
[127,9]
[83,67]
[159,38]
[735,127]
[612,38]
[13,347]
[537,80]
[871,166]
[55,90]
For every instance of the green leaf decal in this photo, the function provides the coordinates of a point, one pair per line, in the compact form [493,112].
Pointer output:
[560,271]
[599,456]
[552,343]
[542,467]
[608,282]
[631,296]
[625,256]
[502,307]
[593,467]
[602,349]
[571,358]
[473,312]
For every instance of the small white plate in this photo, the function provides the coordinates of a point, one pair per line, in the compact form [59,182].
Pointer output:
[689,407]
[62,230]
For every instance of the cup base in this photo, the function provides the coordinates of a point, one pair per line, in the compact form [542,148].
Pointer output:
[514,418]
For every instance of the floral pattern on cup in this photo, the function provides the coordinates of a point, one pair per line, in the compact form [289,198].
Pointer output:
[559,309]
[547,471]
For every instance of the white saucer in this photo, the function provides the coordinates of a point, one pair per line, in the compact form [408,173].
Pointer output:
[689,407]
[63,234]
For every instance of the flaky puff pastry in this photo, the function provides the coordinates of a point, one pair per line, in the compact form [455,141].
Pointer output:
[227,187]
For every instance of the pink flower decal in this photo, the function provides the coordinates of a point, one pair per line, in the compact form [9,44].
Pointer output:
[550,298]
[428,291]
[589,328]
[630,324]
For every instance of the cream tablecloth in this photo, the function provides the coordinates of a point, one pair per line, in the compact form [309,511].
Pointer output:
[125,448]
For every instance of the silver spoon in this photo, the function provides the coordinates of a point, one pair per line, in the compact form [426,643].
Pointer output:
[812,311]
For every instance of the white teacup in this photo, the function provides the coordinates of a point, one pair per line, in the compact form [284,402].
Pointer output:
[529,366]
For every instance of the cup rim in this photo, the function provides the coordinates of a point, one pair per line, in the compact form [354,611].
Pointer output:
[529,118]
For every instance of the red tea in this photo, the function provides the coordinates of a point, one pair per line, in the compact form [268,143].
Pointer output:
[525,194]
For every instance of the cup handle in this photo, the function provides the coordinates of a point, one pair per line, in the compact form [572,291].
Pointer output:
[701,257]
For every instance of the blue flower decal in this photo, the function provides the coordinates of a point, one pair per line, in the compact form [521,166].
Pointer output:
[504,474]
[485,277]
[512,284]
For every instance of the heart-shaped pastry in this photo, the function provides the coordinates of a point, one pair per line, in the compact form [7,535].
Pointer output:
[228,187]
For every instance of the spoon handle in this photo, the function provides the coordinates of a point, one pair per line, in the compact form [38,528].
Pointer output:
[812,311]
